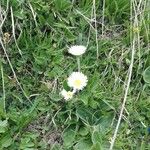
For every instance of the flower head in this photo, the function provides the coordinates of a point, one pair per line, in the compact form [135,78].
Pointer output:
[67,94]
[77,80]
[77,50]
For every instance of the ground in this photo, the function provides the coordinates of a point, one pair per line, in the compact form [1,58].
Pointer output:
[35,36]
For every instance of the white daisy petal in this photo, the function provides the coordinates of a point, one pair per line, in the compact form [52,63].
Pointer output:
[77,80]
[77,50]
[67,94]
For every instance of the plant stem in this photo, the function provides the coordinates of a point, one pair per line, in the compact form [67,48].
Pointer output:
[4,96]
[78,62]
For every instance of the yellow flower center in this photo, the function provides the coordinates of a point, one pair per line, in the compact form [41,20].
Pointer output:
[77,83]
[69,94]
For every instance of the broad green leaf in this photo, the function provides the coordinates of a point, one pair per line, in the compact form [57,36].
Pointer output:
[146,75]
[88,115]
[96,146]
[83,145]
[105,123]
[83,131]
[69,137]
[55,97]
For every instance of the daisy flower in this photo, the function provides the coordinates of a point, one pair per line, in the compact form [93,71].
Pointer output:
[77,50]
[67,94]
[77,80]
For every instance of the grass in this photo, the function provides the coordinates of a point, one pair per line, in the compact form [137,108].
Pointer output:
[112,112]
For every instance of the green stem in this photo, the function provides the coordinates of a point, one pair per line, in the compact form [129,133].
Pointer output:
[78,62]
[3,84]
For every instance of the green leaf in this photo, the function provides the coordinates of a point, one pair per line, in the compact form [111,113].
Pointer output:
[105,123]
[96,146]
[88,115]
[3,126]
[19,14]
[84,98]
[83,145]
[65,86]
[5,141]
[96,137]
[62,5]
[69,137]
[26,143]
[55,97]
[83,131]
[146,75]
[93,104]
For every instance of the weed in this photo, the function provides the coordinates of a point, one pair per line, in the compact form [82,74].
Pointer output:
[113,109]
